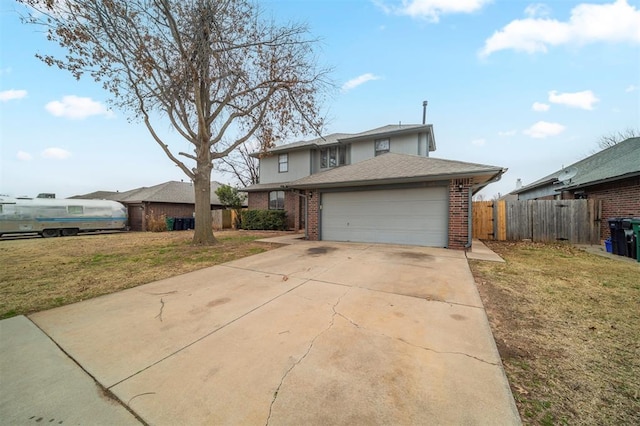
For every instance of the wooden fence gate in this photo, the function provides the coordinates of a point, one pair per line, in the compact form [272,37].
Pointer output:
[576,221]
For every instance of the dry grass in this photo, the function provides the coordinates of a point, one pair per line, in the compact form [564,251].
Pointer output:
[38,274]
[567,325]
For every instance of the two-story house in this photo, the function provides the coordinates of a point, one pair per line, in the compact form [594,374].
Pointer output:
[377,186]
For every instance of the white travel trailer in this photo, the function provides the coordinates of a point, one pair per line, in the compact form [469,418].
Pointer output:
[52,218]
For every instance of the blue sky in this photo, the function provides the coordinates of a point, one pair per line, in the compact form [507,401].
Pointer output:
[530,86]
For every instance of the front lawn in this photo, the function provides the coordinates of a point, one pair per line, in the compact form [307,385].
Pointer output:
[567,326]
[39,274]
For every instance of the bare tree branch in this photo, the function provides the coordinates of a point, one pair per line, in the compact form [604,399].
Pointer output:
[242,165]
[215,69]
[614,138]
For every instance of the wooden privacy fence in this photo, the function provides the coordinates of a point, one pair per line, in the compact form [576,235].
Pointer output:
[576,221]
[223,219]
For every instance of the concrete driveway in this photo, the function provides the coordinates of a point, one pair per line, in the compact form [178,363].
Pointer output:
[310,333]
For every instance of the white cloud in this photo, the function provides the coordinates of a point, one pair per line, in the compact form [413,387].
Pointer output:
[507,133]
[432,9]
[23,156]
[478,142]
[543,129]
[9,95]
[631,88]
[584,100]
[56,153]
[540,107]
[589,23]
[355,82]
[77,108]
[537,10]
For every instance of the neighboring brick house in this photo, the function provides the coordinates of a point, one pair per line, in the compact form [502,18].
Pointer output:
[376,186]
[611,176]
[171,199]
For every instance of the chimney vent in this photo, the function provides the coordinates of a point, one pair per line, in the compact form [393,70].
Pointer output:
[424,112]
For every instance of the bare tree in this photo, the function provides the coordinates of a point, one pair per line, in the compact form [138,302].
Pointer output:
[614,138]
[242,164]
[216,69]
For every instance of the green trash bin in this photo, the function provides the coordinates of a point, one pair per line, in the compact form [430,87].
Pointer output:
[635,223]
[169,222]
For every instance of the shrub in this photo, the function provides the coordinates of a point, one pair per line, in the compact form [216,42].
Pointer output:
[157,223]
[271,220]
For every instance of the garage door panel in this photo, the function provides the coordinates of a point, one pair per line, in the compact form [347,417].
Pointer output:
[416,216]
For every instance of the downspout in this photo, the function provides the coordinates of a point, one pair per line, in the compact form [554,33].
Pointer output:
[469,221]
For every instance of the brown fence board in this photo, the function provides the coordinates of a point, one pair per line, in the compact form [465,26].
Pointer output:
[576,221]
[482,220]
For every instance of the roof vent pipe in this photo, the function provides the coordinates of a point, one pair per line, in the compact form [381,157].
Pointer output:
[424,112]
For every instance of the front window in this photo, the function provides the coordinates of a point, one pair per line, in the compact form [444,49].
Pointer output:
[276,200]
[283,163]
[382,146]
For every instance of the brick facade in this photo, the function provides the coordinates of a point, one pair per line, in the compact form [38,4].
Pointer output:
[619,199]
[258,201]
[141,213]
[292,206]
[459,213]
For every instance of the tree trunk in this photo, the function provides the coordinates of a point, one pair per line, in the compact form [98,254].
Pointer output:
[203,234]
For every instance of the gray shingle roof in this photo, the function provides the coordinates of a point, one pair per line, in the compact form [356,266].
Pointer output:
[335,138]
[616,162]
[325,140]
[397,168]
[257,187]
[97,195]
[388,129]
[168,192]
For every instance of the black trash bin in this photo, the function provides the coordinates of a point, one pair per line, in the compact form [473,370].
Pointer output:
[190,223]
[627,229]
[178,224]
[618,237]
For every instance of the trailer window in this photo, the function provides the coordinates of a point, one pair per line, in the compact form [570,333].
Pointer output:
[75,209]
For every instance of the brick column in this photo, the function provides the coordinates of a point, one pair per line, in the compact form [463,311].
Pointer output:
[313,215]
[459,213]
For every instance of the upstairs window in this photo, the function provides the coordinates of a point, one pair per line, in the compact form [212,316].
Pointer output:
[276,200]
[283,163]
[382,146]
[333,157]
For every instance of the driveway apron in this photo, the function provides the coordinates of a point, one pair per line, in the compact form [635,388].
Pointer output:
[310,333]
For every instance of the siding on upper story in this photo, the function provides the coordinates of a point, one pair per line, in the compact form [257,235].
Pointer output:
[412,144]
[299,167]
[305,162]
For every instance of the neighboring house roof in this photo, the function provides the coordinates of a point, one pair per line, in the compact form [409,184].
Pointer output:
[337,138]
[619,161]
[391,168]
[168,192]
[97,195]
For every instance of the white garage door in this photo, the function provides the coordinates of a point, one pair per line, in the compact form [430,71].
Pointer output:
[416,216]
